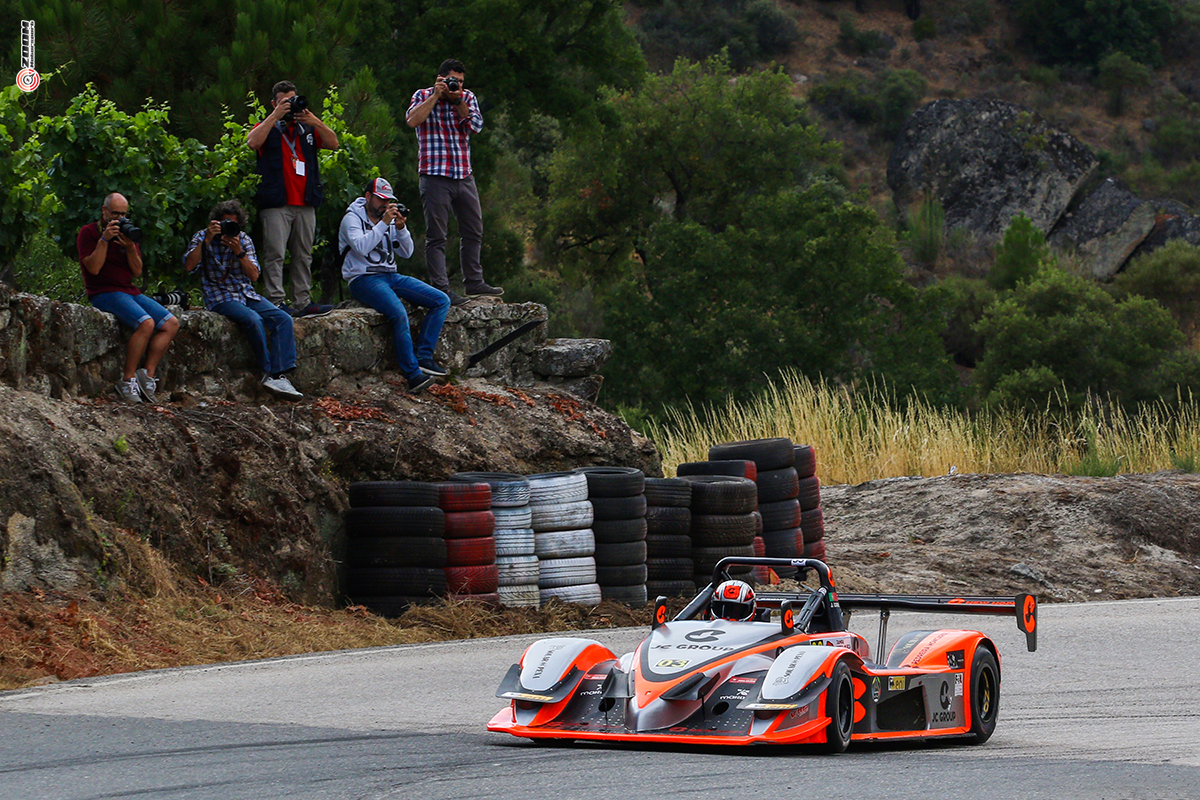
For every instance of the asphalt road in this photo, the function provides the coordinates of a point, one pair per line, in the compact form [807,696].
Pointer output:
[1106,708]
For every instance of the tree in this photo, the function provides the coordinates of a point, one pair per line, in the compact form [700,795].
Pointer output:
[1117,73]
[1169,275]
[1061,333]
[1083,31]
[1019,255]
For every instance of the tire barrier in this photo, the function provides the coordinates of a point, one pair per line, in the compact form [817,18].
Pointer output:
[618,500]
[515,543]
[561,519]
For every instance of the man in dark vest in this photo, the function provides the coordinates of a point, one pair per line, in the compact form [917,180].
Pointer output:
[287,142]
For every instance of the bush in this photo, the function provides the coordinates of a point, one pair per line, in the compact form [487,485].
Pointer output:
[1083,31]
[862,43]
[749,31]
[1169,275]
[883,103]
[1175,141]
[924,28]
[960,304]
[1019,254]
[1059,337]
[927,231]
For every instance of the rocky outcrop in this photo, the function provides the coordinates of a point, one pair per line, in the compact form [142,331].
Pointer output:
[1171,223]
[66,350]
[987,161]
[1106,228]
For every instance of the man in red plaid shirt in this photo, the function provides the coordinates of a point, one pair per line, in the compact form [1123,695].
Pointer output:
[445,116]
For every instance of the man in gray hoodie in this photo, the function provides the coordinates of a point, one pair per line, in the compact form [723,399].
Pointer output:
[372,235]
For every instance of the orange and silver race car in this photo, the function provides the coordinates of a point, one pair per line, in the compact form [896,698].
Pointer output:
[790,674]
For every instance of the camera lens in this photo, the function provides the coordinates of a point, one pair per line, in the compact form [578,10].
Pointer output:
[130,231]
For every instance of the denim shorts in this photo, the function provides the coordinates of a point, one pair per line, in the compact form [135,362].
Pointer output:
[131,310]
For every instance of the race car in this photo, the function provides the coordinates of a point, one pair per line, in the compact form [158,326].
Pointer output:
[788,671]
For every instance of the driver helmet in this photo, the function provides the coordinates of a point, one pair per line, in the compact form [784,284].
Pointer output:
[733,600]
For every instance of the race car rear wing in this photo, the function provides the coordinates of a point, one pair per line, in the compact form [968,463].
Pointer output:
[1023,607]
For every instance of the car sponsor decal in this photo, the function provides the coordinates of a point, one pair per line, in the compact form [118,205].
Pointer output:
[710,635]
[958,685]
[896,683]
[944,695]
[672,663]
[743,680]
[540,698]
[876,689]
[955,659]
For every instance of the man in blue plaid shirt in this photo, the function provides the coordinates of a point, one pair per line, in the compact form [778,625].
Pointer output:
[445,117]
[224,255]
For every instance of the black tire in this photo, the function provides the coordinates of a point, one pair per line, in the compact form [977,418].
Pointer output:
[614,481]
[812,525]
[632,507]
[985,694]
[739,468]
[609,531]
[668,521]
[364,494]
[781,515]
[706,558]
[782,544]
[389,581]
[809,494]
[670,569]
[623,575]
[668,492]
[722,530]
[634,595]
[839,707]
[777,484]
[671,588]
[372,521]
[765,453]
[621,554]
[664,546]
[805,460]
[396,551]
[723,494]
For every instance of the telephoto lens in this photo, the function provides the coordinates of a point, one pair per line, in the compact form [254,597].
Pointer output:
[130,231]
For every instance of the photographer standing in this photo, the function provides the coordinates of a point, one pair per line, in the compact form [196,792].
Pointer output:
[228,269]
[445,116]
[372,234]
[287,142]
[110,258]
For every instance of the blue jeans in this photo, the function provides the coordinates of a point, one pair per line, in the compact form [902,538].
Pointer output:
[131,310]
[258,318]
[382,292]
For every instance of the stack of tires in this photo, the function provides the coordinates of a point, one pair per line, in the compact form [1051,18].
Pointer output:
[395,550]
[618,499]
[723,523]
[471,572]
[670,571]
[516,557]
[812,519]
[778,489]
[561,518]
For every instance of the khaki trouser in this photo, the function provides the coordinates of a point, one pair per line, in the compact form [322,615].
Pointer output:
[293,228]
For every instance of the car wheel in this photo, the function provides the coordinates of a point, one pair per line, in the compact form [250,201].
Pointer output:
[839,707]
[985,695]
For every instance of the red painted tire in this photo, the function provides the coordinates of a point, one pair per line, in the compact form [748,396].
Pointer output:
[464,496]
[479,579]
[812,525]
[476,551]
[815,550]
[469,524]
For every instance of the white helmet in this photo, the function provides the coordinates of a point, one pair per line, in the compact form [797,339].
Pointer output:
[733,600]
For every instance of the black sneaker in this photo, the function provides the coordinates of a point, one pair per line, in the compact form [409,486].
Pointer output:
[483,290]
[455,298]
[431,367]
[420,384]
[314,310]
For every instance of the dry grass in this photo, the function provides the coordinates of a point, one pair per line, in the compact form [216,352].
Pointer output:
[864,435]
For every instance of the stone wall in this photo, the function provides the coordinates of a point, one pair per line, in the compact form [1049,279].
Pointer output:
[66,350]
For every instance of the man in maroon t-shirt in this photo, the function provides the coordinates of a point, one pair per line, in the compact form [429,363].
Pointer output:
[110,261]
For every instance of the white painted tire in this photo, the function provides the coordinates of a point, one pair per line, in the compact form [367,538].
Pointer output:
[517,570]
[561,516]
[515,542]
[565,544]
[558,487]
[587,594]
[528,596]
[557,572]
[520,517]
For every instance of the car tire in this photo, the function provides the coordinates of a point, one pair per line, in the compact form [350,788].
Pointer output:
[812,525]
[985,694]
[776,453]
[839,707]
[722,530]
[584,594]
[671,588]
[670,569]
[668,520]
[621,553]
[509,490]
[515,542]
[525,596]
[469,524]
[777,484]
[621,575]
[738,468]
[662,546]
[513,517]
[390,581]
[478,579]
[370,521]
[613,531]
[780,515]
[632,595]
[809,493]
[364,494]
[557,487]
[723,494]
[674,492]
[516,570]
[554,573]
[633,507]
[805,460]
[561,516]
[476,551]
[614,481]
[455,496]
[564,544]
[396,551]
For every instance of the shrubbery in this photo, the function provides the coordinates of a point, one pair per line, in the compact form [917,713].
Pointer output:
[1082,32]
[749,31]
[882,102]
[1169,275]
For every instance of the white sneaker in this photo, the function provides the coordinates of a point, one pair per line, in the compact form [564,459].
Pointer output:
[281,386]
[127,390]
[146,385]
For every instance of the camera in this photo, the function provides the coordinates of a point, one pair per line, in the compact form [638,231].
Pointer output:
[298,103]
[130,231]
[452,84]
[230,227]
[403,209]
